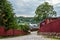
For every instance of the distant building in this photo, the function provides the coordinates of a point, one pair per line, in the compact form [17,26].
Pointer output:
[33,26]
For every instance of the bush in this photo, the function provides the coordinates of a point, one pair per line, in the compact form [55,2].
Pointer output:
[24,27]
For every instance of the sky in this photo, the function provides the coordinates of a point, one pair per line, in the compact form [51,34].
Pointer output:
[27,8]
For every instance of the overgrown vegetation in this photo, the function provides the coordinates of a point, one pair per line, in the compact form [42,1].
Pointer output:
[7,16]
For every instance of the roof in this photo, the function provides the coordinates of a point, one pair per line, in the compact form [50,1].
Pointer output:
[52,17]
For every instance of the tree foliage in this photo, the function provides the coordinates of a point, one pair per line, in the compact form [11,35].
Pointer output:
[43,11]
[25,19]
[7,16]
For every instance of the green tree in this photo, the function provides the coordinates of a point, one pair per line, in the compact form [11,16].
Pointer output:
[43,11]
[7,16]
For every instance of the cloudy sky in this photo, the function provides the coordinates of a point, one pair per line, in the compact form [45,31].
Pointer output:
[27,7]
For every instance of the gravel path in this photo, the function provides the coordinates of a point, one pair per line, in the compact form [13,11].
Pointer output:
[32,36]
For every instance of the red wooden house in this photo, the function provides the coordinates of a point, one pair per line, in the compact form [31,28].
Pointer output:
[48,20]
[50,25]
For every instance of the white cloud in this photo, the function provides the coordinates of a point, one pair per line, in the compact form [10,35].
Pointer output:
[25,15]
[27,7]
[55,2]
[49,1]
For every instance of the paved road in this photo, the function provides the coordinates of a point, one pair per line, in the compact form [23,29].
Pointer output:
[32,36]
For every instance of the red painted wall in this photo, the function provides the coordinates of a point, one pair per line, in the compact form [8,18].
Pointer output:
[15,32]
[47,21]
[51,27]
[2,31]
[11,32]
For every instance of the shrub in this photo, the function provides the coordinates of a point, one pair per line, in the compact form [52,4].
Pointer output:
[24,27]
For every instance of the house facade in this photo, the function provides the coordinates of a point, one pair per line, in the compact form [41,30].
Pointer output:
[48,20]
[50,26]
